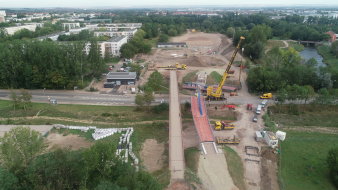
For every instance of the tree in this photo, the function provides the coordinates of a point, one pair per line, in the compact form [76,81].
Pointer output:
[106,185]
[8,181]
[163,38]
[334,48]
[139,100]
[61,169]
[148,97]
[25,99]
[15,99]
[332,161]
[19,147]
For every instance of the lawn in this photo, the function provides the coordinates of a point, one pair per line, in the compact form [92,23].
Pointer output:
[191,157]
[295,45]
[94,113]
[274,43]
[306,115]
[235,167]
[190,77]
[303,161]
[214,78]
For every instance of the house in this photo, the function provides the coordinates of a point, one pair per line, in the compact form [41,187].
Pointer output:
[172,45]
[121,78]
[333,36]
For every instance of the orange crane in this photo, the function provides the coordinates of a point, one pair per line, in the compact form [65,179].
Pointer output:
[218,93]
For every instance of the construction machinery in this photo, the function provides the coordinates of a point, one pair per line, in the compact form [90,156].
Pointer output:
[177,66]
[221,125]
[227,140]
[217,94]
[266,96]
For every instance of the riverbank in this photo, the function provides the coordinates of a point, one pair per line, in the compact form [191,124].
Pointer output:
[328,57]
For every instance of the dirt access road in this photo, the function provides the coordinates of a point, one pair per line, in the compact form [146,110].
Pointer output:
[213,170]
[176,153]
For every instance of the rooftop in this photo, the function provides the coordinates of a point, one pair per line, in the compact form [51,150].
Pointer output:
[116,39]
[121,75]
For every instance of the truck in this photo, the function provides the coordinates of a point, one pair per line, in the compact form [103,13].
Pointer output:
[266,96]
[222,125]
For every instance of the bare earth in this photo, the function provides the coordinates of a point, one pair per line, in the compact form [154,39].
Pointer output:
[213,171]
[152,155]
[71,141]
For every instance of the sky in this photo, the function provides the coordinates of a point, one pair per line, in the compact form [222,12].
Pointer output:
[157,3]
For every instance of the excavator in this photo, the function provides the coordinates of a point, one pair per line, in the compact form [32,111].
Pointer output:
[217,94]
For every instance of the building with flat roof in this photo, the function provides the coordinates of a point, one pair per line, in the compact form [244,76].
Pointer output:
[12,30]
[172,45]
[122,78]
[110,47]
[71,25]
[129,33]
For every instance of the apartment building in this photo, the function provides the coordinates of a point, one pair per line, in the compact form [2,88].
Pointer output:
[111,47]
[129,33]
[71,25]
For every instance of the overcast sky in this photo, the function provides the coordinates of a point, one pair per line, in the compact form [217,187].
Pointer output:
[161,3]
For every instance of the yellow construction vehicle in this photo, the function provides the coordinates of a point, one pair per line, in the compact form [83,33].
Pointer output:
[217,93]
[221,125]
[177,66]
[266,96]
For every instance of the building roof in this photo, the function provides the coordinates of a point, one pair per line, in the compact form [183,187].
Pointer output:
[121,75]
[172,43]
[116,39]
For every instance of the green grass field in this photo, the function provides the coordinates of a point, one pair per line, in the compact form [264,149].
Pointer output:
[190,77]
[303,161]
[214,78]
[235,167]
[308,115]
[84,112]
[295,45]
[274,43]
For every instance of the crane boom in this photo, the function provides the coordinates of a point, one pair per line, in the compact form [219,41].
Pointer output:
[218,92]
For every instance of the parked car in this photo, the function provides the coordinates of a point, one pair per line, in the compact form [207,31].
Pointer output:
[255,118]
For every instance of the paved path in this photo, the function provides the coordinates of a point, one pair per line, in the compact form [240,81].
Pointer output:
[176,154]
[43,129]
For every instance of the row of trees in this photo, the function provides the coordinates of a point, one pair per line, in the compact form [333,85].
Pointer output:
[31,166]
[137,45]
[34,64]
[282,67]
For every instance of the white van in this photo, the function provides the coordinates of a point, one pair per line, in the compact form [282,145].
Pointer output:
[259,109]
[264,102]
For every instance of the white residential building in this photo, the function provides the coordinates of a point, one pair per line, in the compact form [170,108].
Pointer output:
[2,16]
[129,33]
[71,25]
[111,47]
[12,30]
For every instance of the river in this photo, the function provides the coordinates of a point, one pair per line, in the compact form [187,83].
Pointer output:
[310,52]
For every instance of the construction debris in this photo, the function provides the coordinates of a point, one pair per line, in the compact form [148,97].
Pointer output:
[227,140]
[124,148]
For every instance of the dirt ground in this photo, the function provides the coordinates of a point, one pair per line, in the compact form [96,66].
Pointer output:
[71,141]
[213,171]
[190,136]
[152,155]
[269,169]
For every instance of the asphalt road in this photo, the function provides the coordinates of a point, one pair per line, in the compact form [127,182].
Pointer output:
[95,98]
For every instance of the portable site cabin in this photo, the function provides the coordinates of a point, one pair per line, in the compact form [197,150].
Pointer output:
[270,138]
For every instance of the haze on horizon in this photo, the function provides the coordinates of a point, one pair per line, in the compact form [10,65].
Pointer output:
[157,3]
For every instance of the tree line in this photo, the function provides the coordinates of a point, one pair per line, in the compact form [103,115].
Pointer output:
[44,64]
[31,166]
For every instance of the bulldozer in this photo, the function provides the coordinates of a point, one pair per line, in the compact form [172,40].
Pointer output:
[221,125]
[266,96]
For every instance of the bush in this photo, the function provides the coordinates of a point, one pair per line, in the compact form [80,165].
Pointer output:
[106,114]
[161,108]
[332,160]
